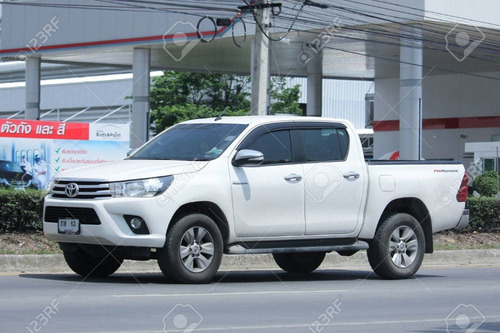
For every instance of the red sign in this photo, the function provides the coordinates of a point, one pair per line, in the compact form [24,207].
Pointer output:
[10,128]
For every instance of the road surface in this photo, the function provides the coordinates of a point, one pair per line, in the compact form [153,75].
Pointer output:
[437,300]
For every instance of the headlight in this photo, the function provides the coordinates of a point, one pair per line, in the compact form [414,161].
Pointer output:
[143,188]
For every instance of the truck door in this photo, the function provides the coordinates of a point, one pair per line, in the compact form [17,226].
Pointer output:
[334,188]
[268,199]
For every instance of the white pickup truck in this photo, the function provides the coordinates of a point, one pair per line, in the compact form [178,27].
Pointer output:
[296,187]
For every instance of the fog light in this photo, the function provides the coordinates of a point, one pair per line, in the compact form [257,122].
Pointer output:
[136,223]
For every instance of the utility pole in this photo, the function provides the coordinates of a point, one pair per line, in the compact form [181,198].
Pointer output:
[410,92]
[140,93]
[261,70]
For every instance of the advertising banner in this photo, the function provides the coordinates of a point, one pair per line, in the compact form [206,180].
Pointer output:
[32,152]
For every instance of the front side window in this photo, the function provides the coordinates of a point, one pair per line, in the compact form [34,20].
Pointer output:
[325,144]
[190,142]
[276,146]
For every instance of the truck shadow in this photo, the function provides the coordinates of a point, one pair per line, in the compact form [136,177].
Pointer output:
[224,277]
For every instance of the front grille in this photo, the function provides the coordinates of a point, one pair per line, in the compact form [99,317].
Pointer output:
[86,190]
[84,215]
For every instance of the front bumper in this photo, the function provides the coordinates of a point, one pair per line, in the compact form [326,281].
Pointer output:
[113,229]
[464,220]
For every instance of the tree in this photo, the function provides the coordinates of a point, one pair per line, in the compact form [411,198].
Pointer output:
[283,99]
[217,91]
[180,96]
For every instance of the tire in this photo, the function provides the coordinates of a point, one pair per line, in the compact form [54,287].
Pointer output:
[304,262]
[85,264]
[193,250]
[398,248]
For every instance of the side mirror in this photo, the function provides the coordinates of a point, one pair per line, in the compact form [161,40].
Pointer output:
[248,157]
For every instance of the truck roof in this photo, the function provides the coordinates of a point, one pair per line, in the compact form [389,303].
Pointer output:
[255,120]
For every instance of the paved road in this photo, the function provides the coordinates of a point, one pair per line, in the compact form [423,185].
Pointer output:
[257,301]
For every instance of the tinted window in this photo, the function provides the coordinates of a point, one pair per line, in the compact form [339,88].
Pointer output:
[190,142]
[325,144]
[10,166]
[275,146]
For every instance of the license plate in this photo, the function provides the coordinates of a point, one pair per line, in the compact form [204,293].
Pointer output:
[69,226]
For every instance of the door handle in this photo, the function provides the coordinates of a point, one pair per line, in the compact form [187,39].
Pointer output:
[293,177]
[351,175]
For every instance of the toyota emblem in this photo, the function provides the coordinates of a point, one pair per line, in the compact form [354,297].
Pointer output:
[71,190]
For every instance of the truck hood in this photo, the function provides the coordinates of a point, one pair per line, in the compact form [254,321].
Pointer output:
[132,169]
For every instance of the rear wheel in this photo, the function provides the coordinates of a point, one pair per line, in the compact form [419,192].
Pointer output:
[192,251]
[89,265]
[398,248]
[304,262]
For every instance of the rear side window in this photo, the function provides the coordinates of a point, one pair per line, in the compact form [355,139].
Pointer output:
[325,144]
[276,147]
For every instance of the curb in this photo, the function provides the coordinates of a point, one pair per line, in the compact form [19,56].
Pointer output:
[54,263]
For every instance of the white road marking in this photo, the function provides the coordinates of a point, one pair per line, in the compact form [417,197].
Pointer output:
[238,293]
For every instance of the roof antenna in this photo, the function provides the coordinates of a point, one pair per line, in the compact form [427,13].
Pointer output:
[219,117]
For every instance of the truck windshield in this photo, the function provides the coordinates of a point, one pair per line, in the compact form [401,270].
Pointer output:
[190,142]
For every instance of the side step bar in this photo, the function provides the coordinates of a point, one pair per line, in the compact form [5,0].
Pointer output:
[240,249]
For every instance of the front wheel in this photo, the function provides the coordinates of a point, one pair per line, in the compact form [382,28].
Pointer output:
[86,264]
[305,262]
[192,251]
[398,248]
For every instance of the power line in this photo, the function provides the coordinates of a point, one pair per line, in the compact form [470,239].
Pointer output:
[305,18]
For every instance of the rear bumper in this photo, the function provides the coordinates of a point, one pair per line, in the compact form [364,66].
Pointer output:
[464,220]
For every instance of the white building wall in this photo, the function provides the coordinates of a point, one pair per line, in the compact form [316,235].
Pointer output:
[346,99]
[469,10]
[444,96]
[341,98]
[70,95]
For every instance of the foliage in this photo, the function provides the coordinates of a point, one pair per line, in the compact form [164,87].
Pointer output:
[484,214]
[283,99]
[180,96]
[217,91]
[486,184]
[21,210]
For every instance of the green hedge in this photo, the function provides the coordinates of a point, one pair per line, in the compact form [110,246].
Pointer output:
[486,184]
[484,214]
[21,210]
